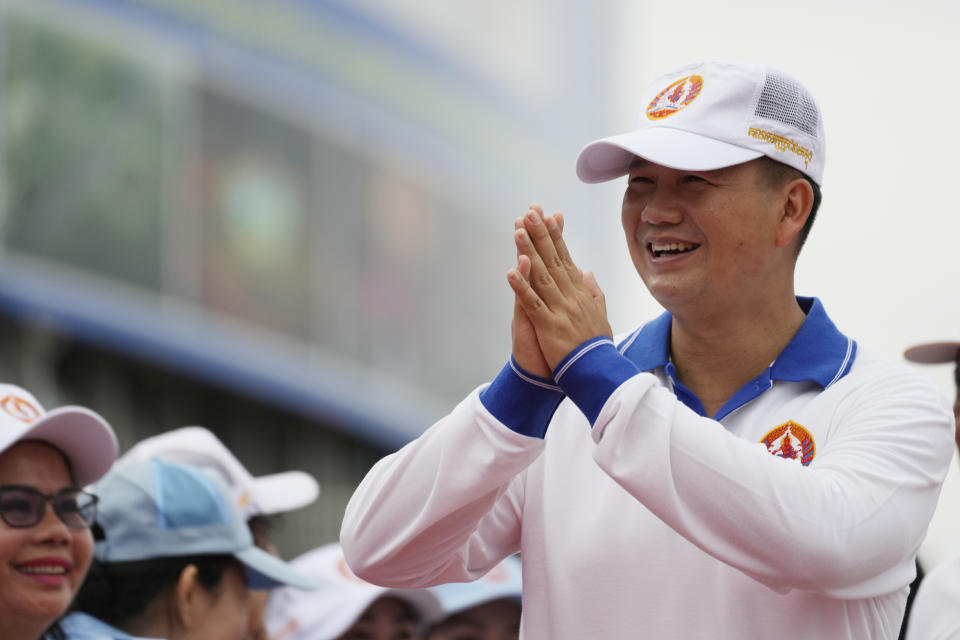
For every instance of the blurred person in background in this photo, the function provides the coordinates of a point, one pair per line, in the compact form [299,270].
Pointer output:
[259,498]
[736,467]
[935,610]
[941,353]
[485,609]
[45,516]
[174,559]
[344,607]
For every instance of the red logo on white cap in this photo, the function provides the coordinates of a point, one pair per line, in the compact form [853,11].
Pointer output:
[19,409]
[675,97]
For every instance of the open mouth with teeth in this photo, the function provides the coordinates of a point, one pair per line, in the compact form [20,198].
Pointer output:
[658,250]
[44,570]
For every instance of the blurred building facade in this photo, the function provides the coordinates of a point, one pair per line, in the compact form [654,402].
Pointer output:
[288,222]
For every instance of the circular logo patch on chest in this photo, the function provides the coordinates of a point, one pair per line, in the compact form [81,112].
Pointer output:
[791,440]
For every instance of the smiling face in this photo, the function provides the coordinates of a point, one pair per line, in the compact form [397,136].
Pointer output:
[41,567]
[707,239]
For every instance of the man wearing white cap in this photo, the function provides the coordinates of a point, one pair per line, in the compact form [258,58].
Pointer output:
[254,496]
[735,468]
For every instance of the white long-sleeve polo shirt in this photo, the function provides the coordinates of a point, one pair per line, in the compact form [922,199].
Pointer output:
[795,513]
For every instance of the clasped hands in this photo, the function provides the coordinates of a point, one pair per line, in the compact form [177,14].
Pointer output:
[557,307]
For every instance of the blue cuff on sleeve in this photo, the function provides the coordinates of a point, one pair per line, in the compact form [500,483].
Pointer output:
[591,372]
[522,401]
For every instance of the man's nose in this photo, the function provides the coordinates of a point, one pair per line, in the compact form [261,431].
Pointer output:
[660,209]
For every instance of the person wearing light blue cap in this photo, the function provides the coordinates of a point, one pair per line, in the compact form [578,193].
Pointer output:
[174,559]
[486,609]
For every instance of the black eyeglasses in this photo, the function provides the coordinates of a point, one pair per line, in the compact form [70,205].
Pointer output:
[22,506]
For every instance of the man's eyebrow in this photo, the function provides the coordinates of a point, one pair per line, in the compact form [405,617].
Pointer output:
[637,163]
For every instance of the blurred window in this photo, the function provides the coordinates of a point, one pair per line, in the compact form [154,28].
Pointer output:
[83,134]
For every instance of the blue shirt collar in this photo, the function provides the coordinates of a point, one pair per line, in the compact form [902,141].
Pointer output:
[818,352]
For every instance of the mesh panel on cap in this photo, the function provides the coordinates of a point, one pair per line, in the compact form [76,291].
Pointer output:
[785,100]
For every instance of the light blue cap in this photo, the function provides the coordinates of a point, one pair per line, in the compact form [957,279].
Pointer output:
[504,581]
[157,509]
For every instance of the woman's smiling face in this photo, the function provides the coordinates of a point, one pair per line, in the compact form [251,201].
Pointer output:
[43,566]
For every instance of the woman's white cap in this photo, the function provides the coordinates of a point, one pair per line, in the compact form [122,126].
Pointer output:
[340,599]
[712,115]
[83,436]
[253,495]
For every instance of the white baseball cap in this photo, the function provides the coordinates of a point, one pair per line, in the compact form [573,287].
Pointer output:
[712,115]
[198,447]
[330,610]
[159,509]
[504,581]
[933,352]
[84,437]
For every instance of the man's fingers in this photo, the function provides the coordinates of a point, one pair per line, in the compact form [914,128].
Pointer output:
[554,226]
[543,242]
[523,266]
[526,296]
[539,276]
[517,226]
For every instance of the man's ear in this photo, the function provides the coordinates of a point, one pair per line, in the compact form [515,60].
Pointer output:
[189,601]
[797,200]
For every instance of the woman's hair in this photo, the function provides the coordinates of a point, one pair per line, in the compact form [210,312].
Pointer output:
[117,592]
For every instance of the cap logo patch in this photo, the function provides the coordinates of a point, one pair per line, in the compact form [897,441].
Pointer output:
[675,97]
[19,409]
[782,144]
[791,440]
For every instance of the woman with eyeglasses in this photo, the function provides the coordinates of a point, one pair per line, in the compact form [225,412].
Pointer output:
[45,540]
